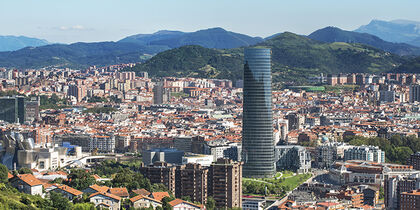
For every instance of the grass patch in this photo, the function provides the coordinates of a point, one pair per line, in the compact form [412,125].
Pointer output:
[281,183]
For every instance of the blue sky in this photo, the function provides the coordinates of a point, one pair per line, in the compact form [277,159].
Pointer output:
[110,20]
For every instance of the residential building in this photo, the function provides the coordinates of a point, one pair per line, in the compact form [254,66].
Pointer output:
[141,201]
[414,93]
[410,200]
[397,184]
[253,204]
[179,204]
[191,181]
[257,131]
[368,153]
[27,183]
[160,173]
[67,192]
[225,183]
[102,143]
[415,160]
[292,157]
[105,200]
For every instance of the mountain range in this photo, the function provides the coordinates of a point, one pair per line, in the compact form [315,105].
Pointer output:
[217,53]
[217,38]
[294,58]
[398,31]
[11,43]
[333,34]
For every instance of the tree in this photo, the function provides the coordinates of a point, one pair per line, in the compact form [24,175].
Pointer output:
[3,173]
[25,171]
[186,198]
[165,203]
[59,201]
[83,206]
[211,203]
[80,179]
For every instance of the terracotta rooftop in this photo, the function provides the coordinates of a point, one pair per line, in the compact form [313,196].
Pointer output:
[29,179]
[99,188]
[179,201]
[160,195]
[69,190]
[121,191]
[136,198]
[106,195]
[143,192]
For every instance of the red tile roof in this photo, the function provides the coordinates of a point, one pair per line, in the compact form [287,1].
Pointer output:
[69,189]
[179,201]
[143,192]
[121,192]
[9,175]
[99,188]
[136,198]
[29,179]
[109,195]
[160,195]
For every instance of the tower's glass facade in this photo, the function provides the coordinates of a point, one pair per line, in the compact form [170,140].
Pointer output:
[257,127]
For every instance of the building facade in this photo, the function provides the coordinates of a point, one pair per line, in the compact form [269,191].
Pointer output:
[257,131]
[294,158]
[225,183]
[369,153]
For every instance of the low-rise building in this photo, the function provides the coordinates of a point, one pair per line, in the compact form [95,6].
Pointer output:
[27,183]
[105,200]
[179,204]
[141,201]
[67,192]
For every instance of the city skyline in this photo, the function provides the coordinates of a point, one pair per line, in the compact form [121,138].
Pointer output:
[80,21]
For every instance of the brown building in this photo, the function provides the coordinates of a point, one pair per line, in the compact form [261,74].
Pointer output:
[225,183]
[410,200]
[191,181]
[332,80]
[160,173]
[415,160]
[79,92]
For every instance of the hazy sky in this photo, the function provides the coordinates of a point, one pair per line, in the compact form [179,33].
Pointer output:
[110,20]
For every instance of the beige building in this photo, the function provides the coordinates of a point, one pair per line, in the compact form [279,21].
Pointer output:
[141,201]
[225,183]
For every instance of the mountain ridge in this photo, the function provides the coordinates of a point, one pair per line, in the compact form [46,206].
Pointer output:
[12,43]
[333,34]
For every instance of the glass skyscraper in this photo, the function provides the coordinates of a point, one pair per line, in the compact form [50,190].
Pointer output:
[13,109]
[257,124]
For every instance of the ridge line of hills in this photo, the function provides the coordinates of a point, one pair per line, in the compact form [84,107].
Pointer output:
[217,53]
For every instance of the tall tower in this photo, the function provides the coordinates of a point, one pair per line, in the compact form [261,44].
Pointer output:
[257,124]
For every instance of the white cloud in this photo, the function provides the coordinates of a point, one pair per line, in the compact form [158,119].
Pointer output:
[73,28]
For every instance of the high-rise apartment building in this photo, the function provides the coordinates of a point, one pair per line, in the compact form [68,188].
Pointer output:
[414,160]
[160,94]
[414,93]
[160,173]
[257,130]
[395,186]
[78,91]
[225,183]
[191,181]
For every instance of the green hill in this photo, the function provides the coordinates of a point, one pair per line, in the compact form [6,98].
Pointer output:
[333,34]
[294,58]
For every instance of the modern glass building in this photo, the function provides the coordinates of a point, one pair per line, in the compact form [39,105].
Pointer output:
[13,109]
[257,124]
